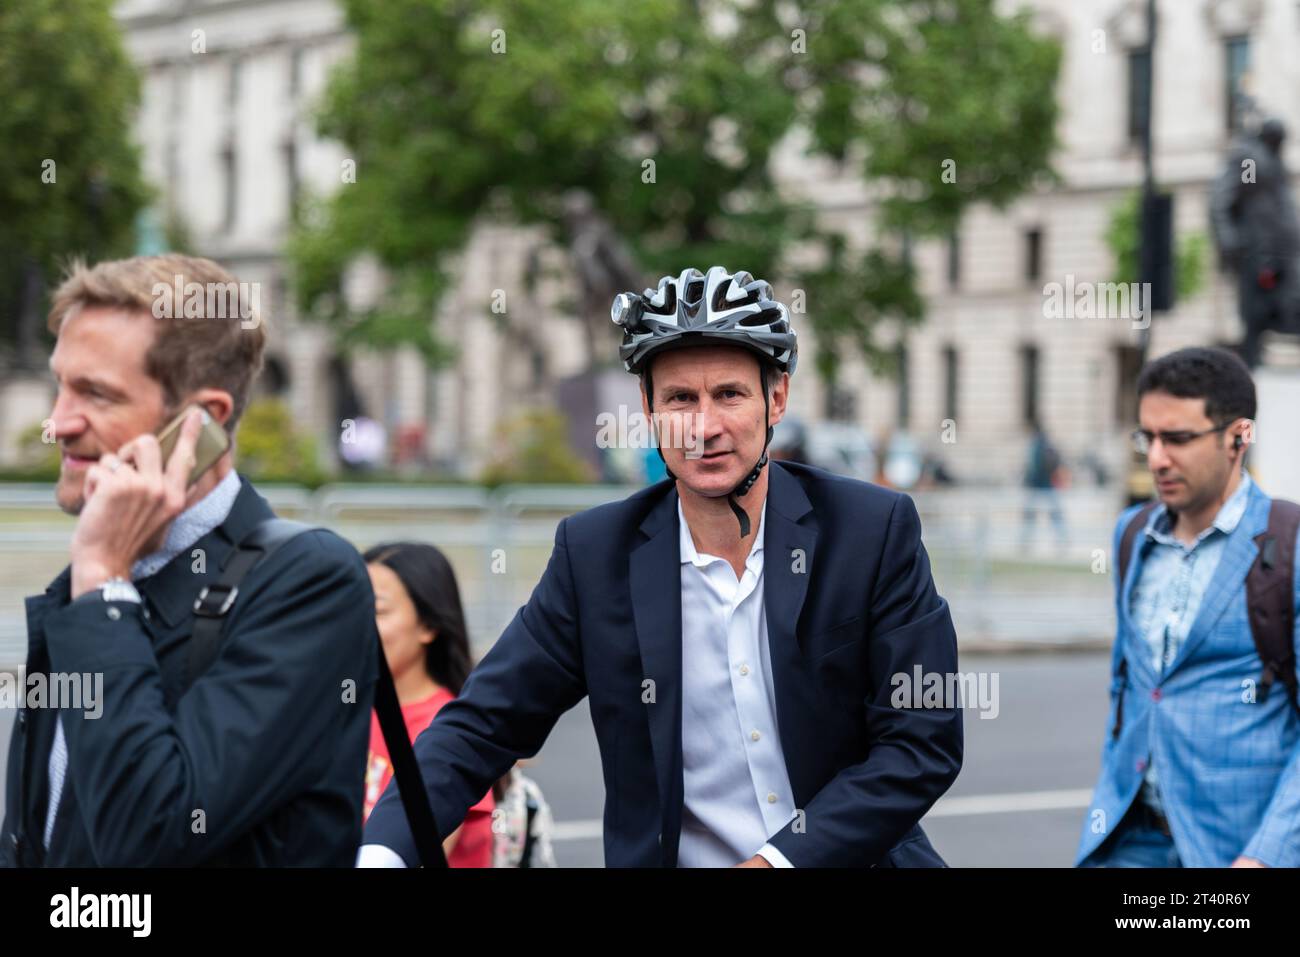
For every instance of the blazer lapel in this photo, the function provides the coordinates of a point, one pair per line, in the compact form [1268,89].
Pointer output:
[655,574]
[1139,659]
[1238,555]
[789,554]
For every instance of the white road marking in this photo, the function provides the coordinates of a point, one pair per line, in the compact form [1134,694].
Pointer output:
[1020,801]
[967,805]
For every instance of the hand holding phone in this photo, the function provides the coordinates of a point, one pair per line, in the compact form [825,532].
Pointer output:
[131,497]
[213,442]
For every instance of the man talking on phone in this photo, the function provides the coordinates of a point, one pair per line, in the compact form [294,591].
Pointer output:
[244,748]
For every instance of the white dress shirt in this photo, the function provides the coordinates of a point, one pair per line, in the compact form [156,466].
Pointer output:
[736,790]
[735,786]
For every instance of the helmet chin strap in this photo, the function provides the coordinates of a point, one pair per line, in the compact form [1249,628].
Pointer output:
[748,481]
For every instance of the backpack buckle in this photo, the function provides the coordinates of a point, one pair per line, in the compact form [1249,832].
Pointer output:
[215,600]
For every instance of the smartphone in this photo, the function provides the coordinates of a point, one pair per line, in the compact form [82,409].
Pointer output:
[212,444]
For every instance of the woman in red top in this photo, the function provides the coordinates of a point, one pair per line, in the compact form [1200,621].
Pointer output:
[418,610]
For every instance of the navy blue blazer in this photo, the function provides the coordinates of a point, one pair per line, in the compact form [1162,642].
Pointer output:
[850,602]
[269,743]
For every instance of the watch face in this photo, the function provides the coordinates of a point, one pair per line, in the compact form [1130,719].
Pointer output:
[119,590]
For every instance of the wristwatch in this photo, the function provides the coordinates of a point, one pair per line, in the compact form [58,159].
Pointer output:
[119,589]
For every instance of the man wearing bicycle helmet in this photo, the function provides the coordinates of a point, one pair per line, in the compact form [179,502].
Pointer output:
[739,630]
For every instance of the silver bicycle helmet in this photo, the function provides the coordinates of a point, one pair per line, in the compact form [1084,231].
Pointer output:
[698,309]
[702,309]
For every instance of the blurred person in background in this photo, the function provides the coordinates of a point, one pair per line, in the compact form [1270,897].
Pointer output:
[422,626]
[1045,475]
[1200,763]
[789,441]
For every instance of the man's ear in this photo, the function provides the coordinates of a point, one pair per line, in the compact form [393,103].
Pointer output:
[1241,435]
[219,403]
[780,395]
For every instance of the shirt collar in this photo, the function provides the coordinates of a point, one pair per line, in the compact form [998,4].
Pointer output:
[1160,524]
[191,525]
[686,544]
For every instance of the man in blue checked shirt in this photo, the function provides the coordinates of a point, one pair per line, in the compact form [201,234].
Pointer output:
[1200,766]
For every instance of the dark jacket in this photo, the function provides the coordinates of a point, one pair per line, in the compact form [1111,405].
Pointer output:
[262,760]
[850,602]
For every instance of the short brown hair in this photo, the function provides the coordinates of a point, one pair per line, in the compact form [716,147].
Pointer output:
[188,352]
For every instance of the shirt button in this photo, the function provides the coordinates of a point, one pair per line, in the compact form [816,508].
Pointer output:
[771,797]
[114,613]
[1141,765]
[744,669]
[1155,695]
[754,735]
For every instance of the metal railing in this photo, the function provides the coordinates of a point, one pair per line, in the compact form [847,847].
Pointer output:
[1002,583]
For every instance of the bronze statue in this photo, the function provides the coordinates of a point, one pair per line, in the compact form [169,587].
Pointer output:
[1258,235]
[604,263]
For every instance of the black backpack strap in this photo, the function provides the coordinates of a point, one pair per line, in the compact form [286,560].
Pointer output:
[530,839]
[406,769]
[210,611]
[1270,599]
[1127,538]
[216,600]
[1130,534]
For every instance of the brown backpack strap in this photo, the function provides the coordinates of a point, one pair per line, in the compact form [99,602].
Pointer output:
[1127,538]
[1270,599]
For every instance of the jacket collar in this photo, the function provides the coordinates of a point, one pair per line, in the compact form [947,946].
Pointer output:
[172,589]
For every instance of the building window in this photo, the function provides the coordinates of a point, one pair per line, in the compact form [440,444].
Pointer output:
[1139,84]
[229,154]
[954,259]
[291,175]
[950,383]
[1033,255]
[230,177]
[1128,363]
[295,72]
[1028,384]
[233,83]
[1237,65]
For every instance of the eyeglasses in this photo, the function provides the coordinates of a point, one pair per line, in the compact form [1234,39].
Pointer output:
[1142,439]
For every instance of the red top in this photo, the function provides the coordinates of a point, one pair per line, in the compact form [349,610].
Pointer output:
[474,845]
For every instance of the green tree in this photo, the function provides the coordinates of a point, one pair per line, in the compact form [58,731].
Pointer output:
[668,114]
[70,179]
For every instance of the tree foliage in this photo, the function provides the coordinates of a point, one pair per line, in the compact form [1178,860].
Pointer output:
[70,178]
[454,110]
